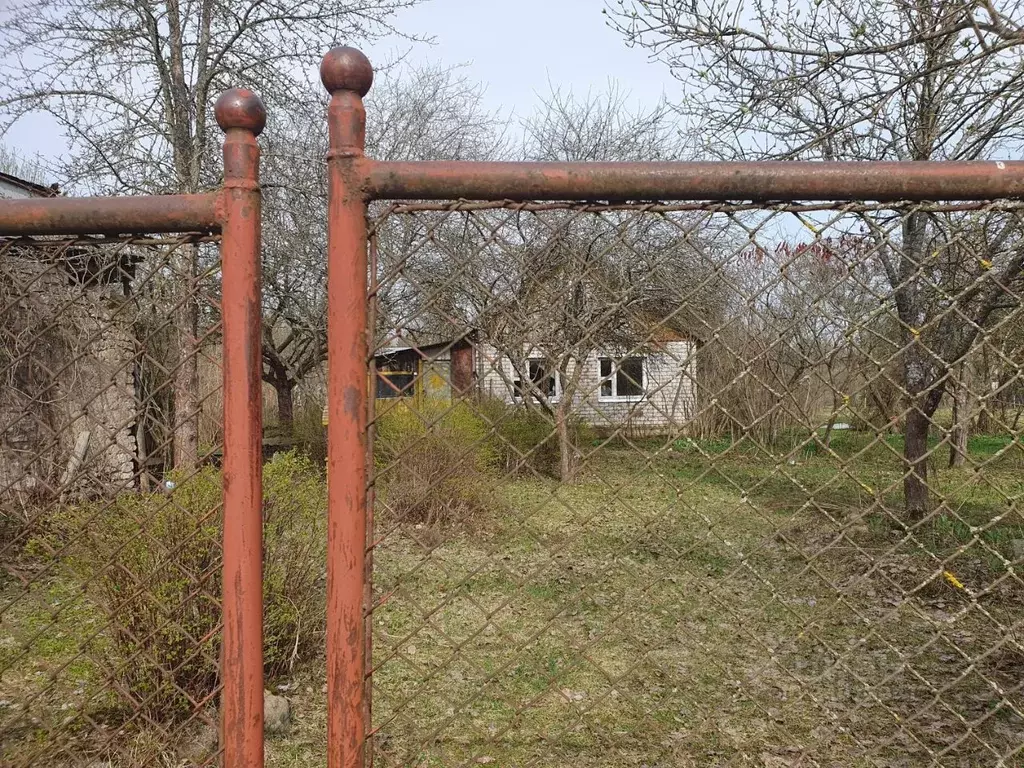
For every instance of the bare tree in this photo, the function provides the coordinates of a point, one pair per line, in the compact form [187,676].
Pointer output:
[549,289]
[131,83]
[426,113]
[429,113]
[600,128]
[294,326]
[575,287]
[999,377]
[838,80]
[803,314]
[15,164]
[586,282]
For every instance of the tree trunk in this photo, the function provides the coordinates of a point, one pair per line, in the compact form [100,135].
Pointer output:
[827,439]
[961,419]
[984,420]
[285,404]
[140,447]
[916,494]
[186,377]
[142,401]
[566,450]
[889,421]
[923,379]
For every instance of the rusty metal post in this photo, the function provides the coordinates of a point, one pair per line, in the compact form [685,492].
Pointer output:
[241,115]
[347,75]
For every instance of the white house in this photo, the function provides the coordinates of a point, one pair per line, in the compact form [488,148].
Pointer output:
[649,389]
[13,188]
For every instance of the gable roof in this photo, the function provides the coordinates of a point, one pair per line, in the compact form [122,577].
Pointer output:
[37,190]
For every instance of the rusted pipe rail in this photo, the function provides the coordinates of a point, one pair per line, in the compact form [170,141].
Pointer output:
[110,215]
[736,181]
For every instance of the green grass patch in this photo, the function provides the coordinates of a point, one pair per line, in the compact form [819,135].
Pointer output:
[716,603]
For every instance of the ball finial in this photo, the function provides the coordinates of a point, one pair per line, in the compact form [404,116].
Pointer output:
[346,69]
[240,108]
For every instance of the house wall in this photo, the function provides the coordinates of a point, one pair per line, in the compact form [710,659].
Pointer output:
[670,369]
[67,373]
[89,346]
[442,370]
[12,191]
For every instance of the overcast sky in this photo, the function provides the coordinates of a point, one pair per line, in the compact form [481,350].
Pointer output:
[514,47]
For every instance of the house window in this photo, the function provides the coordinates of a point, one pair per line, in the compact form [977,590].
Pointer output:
[548,384]
[391,384]
[622,379]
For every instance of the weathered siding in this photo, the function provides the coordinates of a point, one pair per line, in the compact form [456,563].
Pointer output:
[11,190]
[670,368]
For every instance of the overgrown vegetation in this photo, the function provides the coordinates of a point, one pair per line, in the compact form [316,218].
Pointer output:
[433,462]
[32,340]
[690,598]
[151,564]
[525,440]
[309,432]
[437,462]
[704,606]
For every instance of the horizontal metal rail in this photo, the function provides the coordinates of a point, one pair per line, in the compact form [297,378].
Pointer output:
[717,181]
[110,215]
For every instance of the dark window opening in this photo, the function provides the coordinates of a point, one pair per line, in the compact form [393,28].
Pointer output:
[392,384]
[542,381]
[622,378]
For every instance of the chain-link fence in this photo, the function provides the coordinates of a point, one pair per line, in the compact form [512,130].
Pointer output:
[110,433]
[653,485]
[672,485]
[132,612]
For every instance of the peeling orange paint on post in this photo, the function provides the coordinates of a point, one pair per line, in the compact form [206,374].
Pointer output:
[240,113]
[347,76]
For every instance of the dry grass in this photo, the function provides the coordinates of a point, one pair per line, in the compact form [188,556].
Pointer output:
[712,606]
[659,615]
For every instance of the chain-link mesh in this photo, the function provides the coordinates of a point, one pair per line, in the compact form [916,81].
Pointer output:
[697,485]
[109,501]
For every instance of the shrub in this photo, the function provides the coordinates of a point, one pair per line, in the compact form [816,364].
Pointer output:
[310,433]
[432,461]
[295,560]
[152,563]
[524,439]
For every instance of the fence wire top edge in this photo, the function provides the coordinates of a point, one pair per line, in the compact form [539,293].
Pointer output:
[657,206]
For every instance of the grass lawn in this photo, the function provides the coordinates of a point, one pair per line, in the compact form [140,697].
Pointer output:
[712,605]
[684,604]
